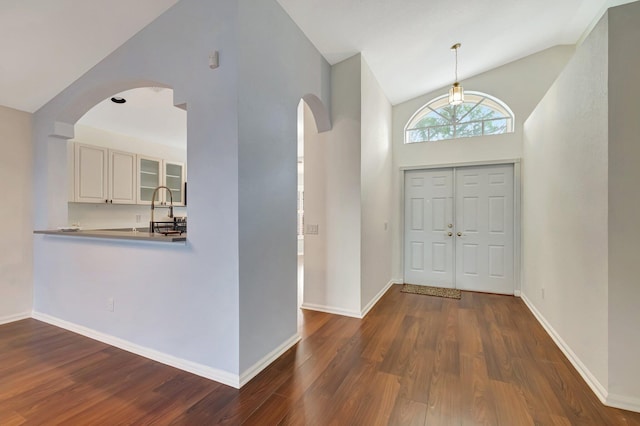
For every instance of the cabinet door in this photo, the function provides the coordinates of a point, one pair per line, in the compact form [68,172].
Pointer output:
[90,177]
[122,177]
[174,180]
[149,178]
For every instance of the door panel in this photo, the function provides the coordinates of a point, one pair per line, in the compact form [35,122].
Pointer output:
[482,257]
[428,214]
[484,251]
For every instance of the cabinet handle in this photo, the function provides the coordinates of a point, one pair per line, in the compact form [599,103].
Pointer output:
[106,201]
[449,234]
[459,234]
[111,201]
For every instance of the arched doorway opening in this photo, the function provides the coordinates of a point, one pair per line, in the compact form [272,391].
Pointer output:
[313,120]
[123,148]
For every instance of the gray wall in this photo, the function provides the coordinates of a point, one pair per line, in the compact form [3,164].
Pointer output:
[348,193]
[16,245]
[376,188]
[520,84]
[581,204]
[624,203]
[565,205]
[277,67]
[332,199]
[178,300]
[186,301]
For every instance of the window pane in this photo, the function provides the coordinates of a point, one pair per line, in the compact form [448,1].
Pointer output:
[495,127]
[416,135]
[481,114]
[432,119]
[438,133]
[469,129]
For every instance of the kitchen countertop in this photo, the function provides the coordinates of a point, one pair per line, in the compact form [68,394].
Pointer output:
[118,234]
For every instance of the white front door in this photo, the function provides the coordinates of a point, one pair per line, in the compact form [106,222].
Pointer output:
[428,223]
[484,229]
[468,244]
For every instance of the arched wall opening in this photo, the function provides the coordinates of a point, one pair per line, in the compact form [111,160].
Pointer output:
[53,189]
[140,136]
[313,121]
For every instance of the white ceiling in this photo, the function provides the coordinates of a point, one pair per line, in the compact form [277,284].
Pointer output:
[148,114]
[407,42]
[47,44]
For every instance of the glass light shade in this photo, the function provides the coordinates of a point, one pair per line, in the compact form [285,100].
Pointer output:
[456,94]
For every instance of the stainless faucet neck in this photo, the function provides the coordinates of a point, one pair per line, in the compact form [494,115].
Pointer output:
[153,205]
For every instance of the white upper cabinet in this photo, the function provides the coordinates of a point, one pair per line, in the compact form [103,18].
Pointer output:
[154,172]
[122,177]
[104,176]
[174,180]
[90,174]
[149,178]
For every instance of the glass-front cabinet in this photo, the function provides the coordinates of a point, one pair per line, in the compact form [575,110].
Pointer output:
[154,172]
[149,178]
[174,180]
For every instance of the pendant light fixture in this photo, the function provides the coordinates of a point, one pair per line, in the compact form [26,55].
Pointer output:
[456,93]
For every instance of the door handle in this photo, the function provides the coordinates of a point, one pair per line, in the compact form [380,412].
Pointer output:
[459,234]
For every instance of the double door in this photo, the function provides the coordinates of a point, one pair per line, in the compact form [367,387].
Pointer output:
[459,228]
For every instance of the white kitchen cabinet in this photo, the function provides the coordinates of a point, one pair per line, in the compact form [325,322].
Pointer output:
[154,172]
[149,178]
[90,174]
[174,180]
[122,177]
[102,175]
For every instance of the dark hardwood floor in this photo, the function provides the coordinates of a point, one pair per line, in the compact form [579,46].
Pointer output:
[414,360]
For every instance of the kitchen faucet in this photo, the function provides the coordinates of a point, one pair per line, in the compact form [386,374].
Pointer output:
[153,206]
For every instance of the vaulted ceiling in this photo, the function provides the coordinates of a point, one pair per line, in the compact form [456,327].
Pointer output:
[48,44]
[45,45]
[407,42]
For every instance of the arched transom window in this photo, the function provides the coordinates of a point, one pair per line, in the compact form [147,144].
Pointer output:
[479,115]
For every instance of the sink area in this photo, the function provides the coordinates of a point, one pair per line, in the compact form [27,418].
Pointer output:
[145,229]
[141,234]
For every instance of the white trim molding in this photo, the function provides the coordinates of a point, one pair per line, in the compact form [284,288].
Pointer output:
[377,298]
[207,372]
[592,381]
[15,317]
[623,402]
[331,310]
[256,368]
[348,312]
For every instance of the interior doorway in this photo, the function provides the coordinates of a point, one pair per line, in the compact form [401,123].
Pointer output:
[300,205]
[459,228]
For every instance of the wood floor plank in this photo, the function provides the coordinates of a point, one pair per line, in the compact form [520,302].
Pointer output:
[408,412]
[512,407]
[480,360]
[478,400]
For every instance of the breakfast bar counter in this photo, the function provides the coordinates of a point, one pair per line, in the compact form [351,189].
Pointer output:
[118,234]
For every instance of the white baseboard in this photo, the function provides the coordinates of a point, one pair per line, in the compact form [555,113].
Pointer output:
[592,381]
[517,293]
[207,372]
[348,312]
[256,368]
[377,297]
[15,317]
[331,310]
[623,402]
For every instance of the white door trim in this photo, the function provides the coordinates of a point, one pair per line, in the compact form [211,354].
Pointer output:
[517,191]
